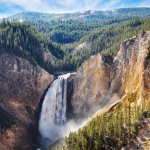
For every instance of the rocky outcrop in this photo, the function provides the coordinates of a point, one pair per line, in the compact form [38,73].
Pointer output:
[69,94]
[90,86]
[81,47]
[48,57]
[22,86]
[98,84]
[133,69]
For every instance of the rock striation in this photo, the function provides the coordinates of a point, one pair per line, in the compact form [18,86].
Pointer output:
[98,84]
[22,86]
[90,86]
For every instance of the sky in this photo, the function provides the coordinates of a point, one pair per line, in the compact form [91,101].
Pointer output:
[11,7]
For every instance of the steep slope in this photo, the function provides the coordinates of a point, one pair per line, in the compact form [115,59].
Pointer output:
[21,91]
[23,41]
[90,85]
[132,70]
[98,84]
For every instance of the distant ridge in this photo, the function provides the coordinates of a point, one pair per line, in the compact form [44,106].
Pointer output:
[84,15]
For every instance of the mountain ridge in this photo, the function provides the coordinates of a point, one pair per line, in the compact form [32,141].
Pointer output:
[86,15]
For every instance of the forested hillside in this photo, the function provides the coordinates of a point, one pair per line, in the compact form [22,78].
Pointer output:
[86,16]
[25,41]
[21,40]
[111,131]
[70,31]
[105,40]
[123,123]
[103,35]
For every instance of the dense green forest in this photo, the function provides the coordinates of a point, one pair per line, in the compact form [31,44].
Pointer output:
[29,39]
[71,31]
[21,40]
[112,130]
[63,31]
[105,40]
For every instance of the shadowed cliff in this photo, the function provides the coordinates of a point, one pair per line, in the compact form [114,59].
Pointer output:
[21,89]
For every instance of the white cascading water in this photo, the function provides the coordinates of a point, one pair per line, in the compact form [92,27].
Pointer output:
[53,114]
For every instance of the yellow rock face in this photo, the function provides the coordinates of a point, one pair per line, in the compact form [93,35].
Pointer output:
[98,84]
[90,85]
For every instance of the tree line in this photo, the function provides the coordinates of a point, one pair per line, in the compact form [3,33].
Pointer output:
[112,130]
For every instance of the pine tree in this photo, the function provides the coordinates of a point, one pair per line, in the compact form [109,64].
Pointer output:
[125,113]
[148,109]
[120,125]
[129,122]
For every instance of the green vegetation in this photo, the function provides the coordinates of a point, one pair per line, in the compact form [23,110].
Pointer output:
[21,40]
[148,53]
[70,31]
[29,41]
[6,120]
[147,27]
[110,130]
[63,31]
[105,40]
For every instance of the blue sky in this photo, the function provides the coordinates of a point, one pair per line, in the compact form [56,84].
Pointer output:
[10,7]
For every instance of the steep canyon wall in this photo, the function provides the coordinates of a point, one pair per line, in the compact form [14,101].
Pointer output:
[22,86]
[98,84]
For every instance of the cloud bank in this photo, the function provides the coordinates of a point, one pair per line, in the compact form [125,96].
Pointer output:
[10,7]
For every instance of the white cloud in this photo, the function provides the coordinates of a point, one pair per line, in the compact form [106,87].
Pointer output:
[62,6]
[78,5]
[144,4]
[91,5]
[67,3]
[109,5]
[54,5]
[32,5]
[4,15]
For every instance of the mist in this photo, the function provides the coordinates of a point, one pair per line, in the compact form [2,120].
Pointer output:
[55,132]
[53,122]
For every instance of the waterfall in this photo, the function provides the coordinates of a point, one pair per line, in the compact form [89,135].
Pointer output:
[53,114]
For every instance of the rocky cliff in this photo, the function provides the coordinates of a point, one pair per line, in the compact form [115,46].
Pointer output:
[98,84]
[48,57]
[22,86]
[90,86]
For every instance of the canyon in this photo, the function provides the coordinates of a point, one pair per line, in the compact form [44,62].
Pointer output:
[102,86]
[97,84]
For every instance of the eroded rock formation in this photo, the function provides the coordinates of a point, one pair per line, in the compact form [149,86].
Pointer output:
[22,86]
[98,84]
[48,57]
